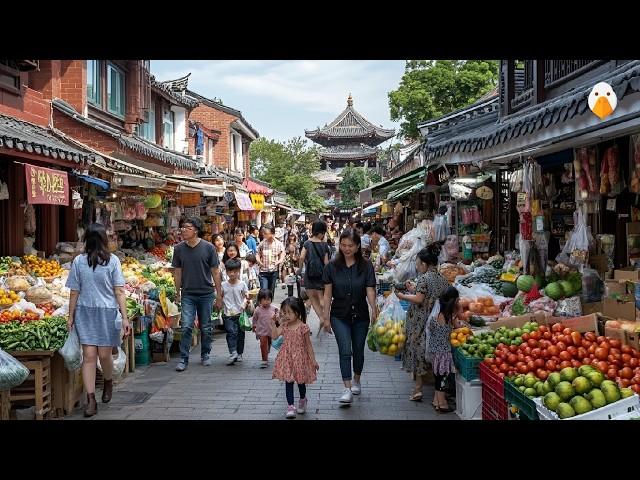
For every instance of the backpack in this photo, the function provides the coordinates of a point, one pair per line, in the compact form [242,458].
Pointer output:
[315,266]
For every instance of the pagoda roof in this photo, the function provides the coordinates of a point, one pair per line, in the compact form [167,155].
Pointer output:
[350,124]
[348,152]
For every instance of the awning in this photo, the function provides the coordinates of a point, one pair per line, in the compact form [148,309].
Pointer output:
[403,192]
[255,187]
[130,180]
[243,200]
[288,208]
[103,184]
[372,208]
[206,189]
[382,189]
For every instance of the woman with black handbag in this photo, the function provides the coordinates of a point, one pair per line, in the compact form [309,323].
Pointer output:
[314,256]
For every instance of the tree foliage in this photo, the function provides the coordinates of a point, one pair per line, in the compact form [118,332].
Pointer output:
[432,88]
[353,180]
[288,167]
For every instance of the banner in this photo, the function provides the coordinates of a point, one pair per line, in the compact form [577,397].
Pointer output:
[257,200]
[46,186]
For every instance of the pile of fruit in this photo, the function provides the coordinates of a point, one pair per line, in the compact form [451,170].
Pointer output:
[484,345]
[8,298]
[159,252]
[39,267]
[564,288]
[389,336]
[47,334]
[162,281]
[482,306]
[18,316]
[48,308]
[459,336]
[5,264]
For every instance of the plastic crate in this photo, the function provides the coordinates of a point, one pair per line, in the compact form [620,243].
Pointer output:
[491,380]
[468,399]
[525,404]
[467,366]
[621,410]
[494,407]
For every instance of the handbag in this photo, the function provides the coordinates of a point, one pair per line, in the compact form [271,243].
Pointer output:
[245,322]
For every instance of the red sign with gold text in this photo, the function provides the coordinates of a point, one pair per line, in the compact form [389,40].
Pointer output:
[46,186]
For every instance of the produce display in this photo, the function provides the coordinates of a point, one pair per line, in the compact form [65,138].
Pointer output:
[5,265]
[484,345]
[133,308]
[485,274]
[39,267]
[8,298]
[451,271]
[459,336]
[482,306]
[46,334]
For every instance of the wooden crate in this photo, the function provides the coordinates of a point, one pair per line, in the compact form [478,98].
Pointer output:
[67,387]
[37,387]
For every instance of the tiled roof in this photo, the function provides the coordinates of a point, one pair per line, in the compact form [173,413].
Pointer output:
[132,142]
[167,89]
[491,131]
[350,124]
[346,152]
[27,137]
[223,108]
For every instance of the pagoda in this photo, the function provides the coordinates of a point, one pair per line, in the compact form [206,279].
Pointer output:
[350,138]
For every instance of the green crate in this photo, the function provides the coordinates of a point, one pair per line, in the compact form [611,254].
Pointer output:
[468,367]
[525,404]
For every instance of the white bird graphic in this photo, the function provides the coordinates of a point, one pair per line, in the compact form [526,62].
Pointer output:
[602,100]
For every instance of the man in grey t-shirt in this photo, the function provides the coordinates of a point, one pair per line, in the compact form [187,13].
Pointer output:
[196,273]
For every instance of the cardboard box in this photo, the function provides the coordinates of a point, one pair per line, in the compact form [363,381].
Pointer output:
[615,287]
[627,273]
[625,310]
[594,307]
[513,322]
[586,323]
[633,340]
[616,334]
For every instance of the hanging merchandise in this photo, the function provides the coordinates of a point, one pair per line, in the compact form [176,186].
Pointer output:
[584,164]
[526,230]
[141,211]
[576,250]
[515,182]
[4,191]
[635,173]
[29,220]
[567,176]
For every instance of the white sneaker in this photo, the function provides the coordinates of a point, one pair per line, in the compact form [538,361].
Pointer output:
[232,358]
[302,406]
[239,358]
[355,388]
[264,364]
[291,411]
[347,396]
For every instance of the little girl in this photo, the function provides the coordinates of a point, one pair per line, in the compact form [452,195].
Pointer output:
[439,350]
[296,361]
[262,317]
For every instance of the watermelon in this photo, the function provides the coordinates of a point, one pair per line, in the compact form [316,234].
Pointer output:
[525,282]
[567,288]
[554,290]
[540,281]
[509,289]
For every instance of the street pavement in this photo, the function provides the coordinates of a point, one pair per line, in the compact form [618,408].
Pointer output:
[244,391]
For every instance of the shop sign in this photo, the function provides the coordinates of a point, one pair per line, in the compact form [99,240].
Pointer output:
[47,186]
[521,200]
[485,193]
[257,200]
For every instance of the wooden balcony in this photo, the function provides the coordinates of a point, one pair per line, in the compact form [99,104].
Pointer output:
[557,72]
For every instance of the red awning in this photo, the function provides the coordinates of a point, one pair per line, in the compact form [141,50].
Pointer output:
[254,187]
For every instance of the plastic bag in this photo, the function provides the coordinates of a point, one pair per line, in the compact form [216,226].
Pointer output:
[591,285]
[569,307]
[515,182]
[118,363]
[12,372]
[440,228]
[389,327]
[71,351]
[245,322]
[576,250]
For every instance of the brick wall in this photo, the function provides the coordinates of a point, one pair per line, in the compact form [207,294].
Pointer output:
[73,83]
[47,80]
[31,106]
[215,120]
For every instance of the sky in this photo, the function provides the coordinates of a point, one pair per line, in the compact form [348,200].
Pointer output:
[282,98]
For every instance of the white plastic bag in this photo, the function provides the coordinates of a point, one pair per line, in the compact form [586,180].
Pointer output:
[440,228]
[118,363]
[71,351]
[12,372]
[389,327]
[576,250]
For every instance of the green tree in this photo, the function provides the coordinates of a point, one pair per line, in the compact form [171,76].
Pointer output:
[353,180]
[288,167]
[432,88]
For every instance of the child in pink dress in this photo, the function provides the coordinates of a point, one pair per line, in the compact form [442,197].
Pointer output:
[296,361]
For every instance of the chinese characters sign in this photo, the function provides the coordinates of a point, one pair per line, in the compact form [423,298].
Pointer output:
[46,186]
[257,200]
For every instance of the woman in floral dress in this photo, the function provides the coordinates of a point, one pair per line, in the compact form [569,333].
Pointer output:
[429,286]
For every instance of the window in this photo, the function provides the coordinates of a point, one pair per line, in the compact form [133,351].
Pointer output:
[115,91]
[167,126]
[210,143]
[94,90]
[147,130]
[9,76]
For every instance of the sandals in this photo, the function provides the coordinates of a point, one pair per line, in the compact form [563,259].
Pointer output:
[443,409]
[416,396]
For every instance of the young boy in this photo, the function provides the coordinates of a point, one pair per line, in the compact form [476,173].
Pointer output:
[262,316]
[234,298]
[253,271]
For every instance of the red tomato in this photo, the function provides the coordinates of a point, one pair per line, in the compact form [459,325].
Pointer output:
[522,367]
[576,363]
[536,352]
[573,350]
[546,335]
[553,350]
[551,365]
[626,358]
[541,374]
[636,379]
[567,331]
[555,359]
[615,351]
[557,327]
[554,340]
[582,353]
[633,363]
[612,373]
[627,373]
[501,346]
[626,349]
[603,366]
[520,357]
[624,383]
[590,336]
[522,346]
[494,369]
[601,339]
[611,358]
[635,353]
[615,343]
[545,353]
[527,350]
[592,356]
[636,388]
[594,363]
[512,359]
[586,361]
[586,343]
[536,335]
[532,343]
[501,375]
[561,345]
[565,364]
[498,361]
[601,353]
[504,368]
[539,363]
[592,348]
[525,337]
[528,359]
[565,355]
[531,365]
[543,329]
[513,348]
[577,338]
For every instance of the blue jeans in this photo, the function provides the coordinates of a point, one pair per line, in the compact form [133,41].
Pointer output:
[202,304]
[235,336]
[268,281]
[351,337]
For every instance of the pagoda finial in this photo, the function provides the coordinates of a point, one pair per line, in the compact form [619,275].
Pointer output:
[350,100]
